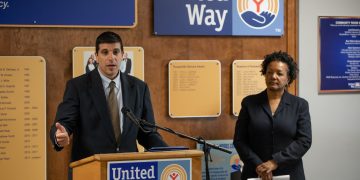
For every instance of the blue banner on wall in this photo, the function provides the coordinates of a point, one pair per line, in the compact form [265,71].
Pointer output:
[98,13]
[339,54]
[219,17]
[150,169]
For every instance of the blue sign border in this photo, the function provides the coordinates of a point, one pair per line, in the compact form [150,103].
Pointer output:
[69,13]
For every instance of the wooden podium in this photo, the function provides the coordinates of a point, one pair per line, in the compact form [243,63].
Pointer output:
[95,167]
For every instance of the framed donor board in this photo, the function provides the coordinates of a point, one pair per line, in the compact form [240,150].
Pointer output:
[194,88]
[84,61]
[89,13]
[247,80]
[339,54]
[22,117]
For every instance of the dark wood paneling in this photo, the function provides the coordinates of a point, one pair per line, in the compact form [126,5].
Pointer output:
[56,44]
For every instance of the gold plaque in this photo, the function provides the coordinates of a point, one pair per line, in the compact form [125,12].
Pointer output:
[247,80]
[194,88]
[22,117]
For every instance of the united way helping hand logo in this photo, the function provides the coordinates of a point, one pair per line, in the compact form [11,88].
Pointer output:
[258,14]
[236,163]
[174,172]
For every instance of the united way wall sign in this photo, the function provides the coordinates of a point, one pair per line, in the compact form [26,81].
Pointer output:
[219,17]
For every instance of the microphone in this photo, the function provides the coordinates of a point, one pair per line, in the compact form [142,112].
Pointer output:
[130,115]
[133,118]
[125,111]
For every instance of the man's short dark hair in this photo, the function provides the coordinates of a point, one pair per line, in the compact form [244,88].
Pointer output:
[108,37]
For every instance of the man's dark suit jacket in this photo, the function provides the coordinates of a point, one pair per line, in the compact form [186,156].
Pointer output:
[84,113]
[284,137]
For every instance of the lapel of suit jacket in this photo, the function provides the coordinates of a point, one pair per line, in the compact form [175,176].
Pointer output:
[128,95]
[265,103]
[98,96]
[284,101]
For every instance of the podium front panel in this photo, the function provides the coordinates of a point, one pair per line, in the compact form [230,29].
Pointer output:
[150,169]
[180,165]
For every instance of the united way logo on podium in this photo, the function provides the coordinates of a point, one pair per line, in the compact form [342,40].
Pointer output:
[258,14]
[160,169]
[174,172]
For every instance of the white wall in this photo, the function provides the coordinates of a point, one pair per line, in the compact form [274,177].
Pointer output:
[335,151]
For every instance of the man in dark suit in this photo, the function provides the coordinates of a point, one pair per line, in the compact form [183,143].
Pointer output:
[86,113]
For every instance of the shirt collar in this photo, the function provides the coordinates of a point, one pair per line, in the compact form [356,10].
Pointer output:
[106,81]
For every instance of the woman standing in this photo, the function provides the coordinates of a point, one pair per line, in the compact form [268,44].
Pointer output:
[273,130]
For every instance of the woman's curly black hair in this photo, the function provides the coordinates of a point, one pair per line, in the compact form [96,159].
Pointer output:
[282,57]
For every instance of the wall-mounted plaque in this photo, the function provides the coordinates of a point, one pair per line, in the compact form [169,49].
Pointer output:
[84,60]
[22,117]
[247,80]
[194,88]
[339,54]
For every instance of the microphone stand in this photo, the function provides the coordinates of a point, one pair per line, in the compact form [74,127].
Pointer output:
[206,146]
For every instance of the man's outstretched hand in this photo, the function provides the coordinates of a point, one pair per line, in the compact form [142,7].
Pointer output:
[61,135]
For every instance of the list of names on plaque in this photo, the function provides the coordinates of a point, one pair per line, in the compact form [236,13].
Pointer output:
[8,111]
[185,80]
[22,117]
[194,88]
[247,80]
